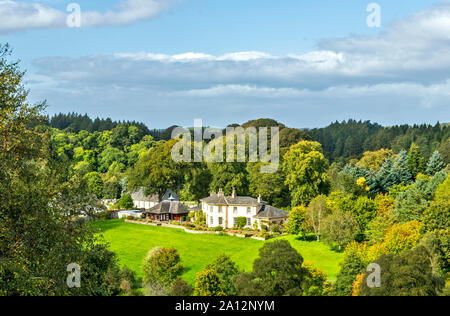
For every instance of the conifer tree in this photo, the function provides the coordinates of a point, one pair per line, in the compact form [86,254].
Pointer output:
[435,164]
[416,162]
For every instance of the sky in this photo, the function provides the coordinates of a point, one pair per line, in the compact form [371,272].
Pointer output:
[168,62]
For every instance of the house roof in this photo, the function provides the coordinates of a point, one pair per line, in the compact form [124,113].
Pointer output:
[263,210]
[269,212]
[139,195]
[168,207]
[230,200]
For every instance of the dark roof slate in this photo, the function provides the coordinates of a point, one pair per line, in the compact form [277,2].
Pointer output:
[139,195]
[268,211]
[227,200]
[168,207]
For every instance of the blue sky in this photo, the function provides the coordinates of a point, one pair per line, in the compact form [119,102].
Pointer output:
[306,63]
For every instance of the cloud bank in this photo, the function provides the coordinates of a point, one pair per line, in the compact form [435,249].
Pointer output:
[399,76]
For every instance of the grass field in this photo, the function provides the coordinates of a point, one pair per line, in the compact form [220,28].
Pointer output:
[131,242]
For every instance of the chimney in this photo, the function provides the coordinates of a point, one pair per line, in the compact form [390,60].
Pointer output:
[212,193]
[220,193]
[259,199]
[233,195]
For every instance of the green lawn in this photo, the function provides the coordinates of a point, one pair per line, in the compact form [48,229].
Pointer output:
[131,242]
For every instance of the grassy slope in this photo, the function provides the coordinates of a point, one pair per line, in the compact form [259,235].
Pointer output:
[131,242]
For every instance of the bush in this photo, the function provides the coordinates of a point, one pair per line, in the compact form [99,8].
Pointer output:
[175,223]
[218,229]
[130,218]
[105,215]
[180,288]
[161,269]
[125,202]
[241,222]
[275,228]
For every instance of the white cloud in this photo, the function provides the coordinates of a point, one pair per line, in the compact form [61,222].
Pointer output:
[401,75]
[19,16]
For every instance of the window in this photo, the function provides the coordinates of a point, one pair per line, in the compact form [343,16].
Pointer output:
[212,220]
[234,221]
[210,209]
[220,209]
[249,210]
[249,221]
[220,220]
[235,210]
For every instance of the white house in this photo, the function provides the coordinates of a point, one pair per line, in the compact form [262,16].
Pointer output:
[145,202]
[221,210]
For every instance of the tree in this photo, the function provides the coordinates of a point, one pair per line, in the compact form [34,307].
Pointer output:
[39,202]
[443,190]
[340,201]
[401,237]
[111,189]
[385,177]
[229,176]
[226,270]
[400,171]
[270,186]
[276,272]
[208,283]
[197,182]
[435,164]
[108,157]
[378,227]
[409,274]
[372,160]
[125,202]
[416,162]
[364,211]
[444,150]
[296,221]
[291,136]
[339,228]
[156,171]
[350,268]
[437,216]
[161,268]
[316,282]
[306,172]
[316,212]
[95,184]
[411,204]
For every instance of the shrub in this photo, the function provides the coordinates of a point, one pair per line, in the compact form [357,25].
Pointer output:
[161,268]
[180,288]
[105,215]
[241,222]
[218,229]
[125,202]
[275,228]
[130,218]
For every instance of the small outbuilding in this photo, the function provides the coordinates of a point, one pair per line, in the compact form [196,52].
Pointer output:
[168,210]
